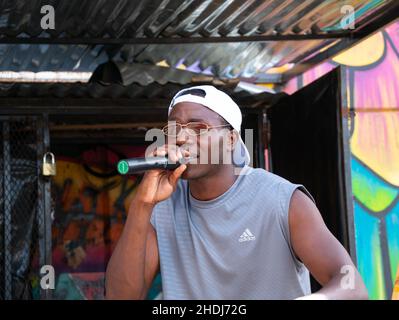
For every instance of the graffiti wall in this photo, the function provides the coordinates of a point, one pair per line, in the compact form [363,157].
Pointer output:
[91,201]
[372,92]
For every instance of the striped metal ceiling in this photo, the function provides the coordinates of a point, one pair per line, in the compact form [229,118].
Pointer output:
[223,38]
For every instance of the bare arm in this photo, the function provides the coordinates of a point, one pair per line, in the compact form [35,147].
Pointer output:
[135,260]
[326,259]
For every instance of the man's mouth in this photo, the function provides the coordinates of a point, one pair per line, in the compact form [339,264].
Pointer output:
[191,159]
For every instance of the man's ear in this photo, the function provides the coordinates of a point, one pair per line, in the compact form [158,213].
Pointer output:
[234,136]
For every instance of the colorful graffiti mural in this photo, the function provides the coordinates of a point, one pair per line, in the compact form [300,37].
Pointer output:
[91,201]
[372,92]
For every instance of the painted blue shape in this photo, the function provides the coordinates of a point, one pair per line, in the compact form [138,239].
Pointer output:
[156,288]
[370,189]
[368,251]
[358,14]
[392,225]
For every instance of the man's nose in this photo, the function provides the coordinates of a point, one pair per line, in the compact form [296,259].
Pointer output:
[183,137]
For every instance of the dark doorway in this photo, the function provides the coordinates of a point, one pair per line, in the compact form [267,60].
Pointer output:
[307,148]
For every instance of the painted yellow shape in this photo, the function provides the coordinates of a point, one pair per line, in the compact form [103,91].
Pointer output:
[365,53]
[328,46]
[395,294]
[281,69]
[266,85]
[375,141]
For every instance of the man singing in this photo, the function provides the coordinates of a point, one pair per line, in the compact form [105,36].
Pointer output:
[221,229]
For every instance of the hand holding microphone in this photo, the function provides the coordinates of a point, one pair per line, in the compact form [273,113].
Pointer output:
[137,165]
[162,171]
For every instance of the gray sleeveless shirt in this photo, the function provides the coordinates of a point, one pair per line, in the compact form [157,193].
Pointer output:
[236,246]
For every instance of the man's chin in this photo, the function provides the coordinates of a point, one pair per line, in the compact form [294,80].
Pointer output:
[192,172]
[188,173]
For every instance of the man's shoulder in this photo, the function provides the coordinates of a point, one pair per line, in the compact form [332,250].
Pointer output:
[269,184]
[261,176]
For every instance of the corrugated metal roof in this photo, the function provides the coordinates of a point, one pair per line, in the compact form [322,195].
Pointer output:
[229,60]
[177,18]
[134,92]
[87,90]
[44,57]
[130,81]
[144,74]
[223,60]
[135,31]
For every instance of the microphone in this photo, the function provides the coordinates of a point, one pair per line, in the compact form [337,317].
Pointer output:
[136,165]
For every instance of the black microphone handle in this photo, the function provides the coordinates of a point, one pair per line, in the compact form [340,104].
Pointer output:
[137,165]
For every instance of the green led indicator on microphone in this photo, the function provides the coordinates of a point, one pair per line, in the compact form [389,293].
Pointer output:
[123,167]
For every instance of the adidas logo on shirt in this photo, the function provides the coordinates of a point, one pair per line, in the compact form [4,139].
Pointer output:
[246,236]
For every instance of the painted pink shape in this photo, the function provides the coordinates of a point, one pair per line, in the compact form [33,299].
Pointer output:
[378,87]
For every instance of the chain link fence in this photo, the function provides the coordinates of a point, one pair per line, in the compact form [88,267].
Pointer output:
[21,206]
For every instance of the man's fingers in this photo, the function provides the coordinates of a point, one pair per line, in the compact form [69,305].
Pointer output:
[176,174]
[174,153]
